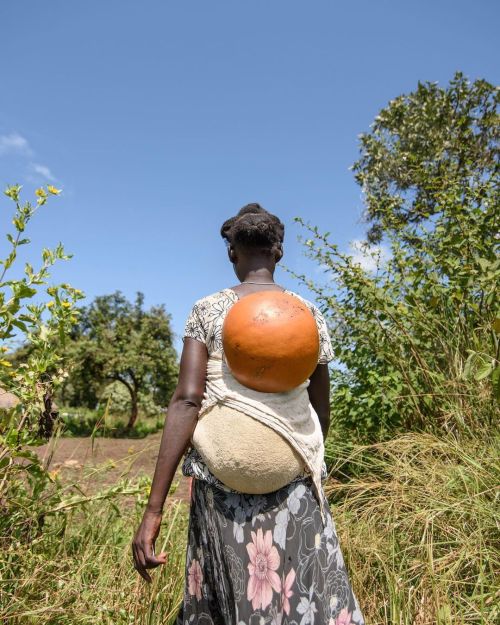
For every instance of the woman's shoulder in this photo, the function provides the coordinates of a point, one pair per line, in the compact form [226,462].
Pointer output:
[213,296]
[207,301]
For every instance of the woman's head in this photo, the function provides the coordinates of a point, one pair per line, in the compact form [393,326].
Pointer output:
[254,232]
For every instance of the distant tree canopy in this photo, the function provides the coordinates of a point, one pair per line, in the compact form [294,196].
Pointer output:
[119,341]
[425,148]
[417,339]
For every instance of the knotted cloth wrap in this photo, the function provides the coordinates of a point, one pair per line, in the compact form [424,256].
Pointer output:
[295,445]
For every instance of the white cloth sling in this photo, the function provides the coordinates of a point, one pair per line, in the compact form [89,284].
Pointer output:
[290,414]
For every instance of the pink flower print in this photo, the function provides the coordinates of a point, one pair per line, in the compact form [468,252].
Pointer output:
[195,577]
[344,618]
[286,590]
[264,560]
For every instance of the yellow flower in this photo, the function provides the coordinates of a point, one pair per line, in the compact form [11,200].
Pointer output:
[53,190]
[5,363]
[41,192]
[66,304]
[50,304]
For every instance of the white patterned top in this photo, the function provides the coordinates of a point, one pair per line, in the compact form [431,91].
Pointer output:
[206,319]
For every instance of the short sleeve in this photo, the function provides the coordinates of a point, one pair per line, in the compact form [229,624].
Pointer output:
[194,328]
[325,344]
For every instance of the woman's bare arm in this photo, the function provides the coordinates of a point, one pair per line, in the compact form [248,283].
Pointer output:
[180,422]
[319,396]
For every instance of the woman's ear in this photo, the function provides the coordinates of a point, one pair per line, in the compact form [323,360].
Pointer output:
[278,254]
[232,254]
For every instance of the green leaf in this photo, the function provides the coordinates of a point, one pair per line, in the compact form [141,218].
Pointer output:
[484,371]
[495,379]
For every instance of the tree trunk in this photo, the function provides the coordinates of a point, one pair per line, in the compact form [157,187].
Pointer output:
[133,390]
[134,410]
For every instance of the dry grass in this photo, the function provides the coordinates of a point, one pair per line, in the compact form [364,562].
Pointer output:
[417,519]
[80,570]
[419,529]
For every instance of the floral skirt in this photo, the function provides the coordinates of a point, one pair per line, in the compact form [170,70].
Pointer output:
[262,559]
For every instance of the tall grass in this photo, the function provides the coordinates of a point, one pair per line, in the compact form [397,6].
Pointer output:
[80,570]
[419,526]
[416,517]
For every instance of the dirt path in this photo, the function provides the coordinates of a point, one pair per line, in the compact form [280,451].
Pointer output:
[109,460]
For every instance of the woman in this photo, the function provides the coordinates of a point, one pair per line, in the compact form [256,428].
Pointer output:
[251,559]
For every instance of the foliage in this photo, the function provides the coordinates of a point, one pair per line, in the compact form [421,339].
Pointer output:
[102,422]
[43,324]
[41,534]
[425,149]
[119,401]
[417,341]
[115,340]
[418,527]
[80,570]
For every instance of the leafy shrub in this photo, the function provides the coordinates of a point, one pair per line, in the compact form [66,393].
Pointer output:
[417,337]
[26,493]
[102,423]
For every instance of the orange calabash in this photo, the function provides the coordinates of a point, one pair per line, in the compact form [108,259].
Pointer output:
[270,341]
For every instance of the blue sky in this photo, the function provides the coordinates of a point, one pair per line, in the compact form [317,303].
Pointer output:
[161,119]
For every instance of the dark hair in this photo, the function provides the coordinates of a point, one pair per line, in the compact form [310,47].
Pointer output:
[254,227]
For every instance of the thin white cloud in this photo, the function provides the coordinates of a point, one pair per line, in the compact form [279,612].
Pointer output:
[369,257]
[14,144]
[43,171]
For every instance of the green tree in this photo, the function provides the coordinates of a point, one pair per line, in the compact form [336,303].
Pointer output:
[427,148]
[417,340]
[116,340]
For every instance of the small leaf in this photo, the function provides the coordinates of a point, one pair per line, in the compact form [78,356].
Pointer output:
[484,371]
[495,379]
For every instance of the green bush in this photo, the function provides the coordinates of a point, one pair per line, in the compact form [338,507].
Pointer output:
[417,336]
[102,423]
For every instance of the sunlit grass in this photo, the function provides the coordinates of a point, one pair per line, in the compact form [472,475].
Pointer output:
[419,527]
[80,570]
[417,517]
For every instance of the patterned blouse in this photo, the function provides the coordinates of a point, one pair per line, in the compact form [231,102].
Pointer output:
[206,319]
[204,324]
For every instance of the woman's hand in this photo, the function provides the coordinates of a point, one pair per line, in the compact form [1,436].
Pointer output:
[144,543]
